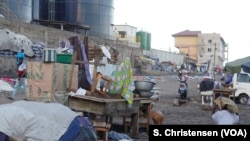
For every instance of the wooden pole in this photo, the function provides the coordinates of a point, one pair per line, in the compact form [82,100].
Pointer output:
[94,73]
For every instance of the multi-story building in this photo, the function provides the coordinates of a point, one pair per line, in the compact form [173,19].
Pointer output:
[202,47]
[187,43]
[211,47]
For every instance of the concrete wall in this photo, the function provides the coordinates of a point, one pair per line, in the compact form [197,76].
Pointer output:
[51,37]
[165,56]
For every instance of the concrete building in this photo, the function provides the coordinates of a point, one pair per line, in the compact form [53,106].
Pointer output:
[211,47]
[187,43]
[126,33]
[202,47]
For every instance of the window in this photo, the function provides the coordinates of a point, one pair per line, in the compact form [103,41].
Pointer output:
[209,41]
[122,34]
[243,78]
[209,50]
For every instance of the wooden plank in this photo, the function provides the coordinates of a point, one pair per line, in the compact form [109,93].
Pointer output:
[85,105]
[148,100]
[72,69]
[84,62]
[225,90]
[134,125]
[93,86]
[121,108]
[108,107]
[97,99]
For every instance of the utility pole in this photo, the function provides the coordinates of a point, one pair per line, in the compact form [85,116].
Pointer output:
[214,61]
[214,52]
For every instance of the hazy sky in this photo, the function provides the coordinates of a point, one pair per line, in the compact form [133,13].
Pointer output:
[162,18]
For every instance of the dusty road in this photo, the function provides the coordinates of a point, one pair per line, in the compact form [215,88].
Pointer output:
[189,114]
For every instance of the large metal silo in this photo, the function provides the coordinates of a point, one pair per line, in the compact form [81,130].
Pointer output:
[98,14]
[16,9]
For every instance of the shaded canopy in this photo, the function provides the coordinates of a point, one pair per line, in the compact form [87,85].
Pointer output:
[235,66]
[246,67]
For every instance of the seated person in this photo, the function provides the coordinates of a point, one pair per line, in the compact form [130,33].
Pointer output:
[207,84]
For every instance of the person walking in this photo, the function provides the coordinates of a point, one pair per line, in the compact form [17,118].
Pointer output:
[21,81]
[20,55]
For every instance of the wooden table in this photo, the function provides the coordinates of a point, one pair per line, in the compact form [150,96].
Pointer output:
[225,92]
[147,103]
[108,107]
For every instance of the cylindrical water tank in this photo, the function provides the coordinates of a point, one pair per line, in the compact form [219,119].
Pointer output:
[143,39]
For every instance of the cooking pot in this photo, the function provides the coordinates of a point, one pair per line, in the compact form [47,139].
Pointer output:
[144,85]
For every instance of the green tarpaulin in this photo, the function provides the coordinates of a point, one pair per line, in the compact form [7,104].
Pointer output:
[235,66]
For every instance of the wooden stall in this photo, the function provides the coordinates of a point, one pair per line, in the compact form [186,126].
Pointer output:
[100,102]
[108,107]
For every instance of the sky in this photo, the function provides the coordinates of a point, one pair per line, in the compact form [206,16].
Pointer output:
[163,18]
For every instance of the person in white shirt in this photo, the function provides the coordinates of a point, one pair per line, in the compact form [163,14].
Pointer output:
[224,116]
[21,80]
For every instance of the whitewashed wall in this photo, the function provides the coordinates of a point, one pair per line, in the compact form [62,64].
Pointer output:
[176,58]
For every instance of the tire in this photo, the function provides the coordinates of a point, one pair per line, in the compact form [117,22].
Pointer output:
[243,99]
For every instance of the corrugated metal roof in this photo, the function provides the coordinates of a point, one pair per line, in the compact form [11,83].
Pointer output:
[187,33]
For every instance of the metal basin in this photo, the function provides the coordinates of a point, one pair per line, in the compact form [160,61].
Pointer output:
[146,94]
[144,85]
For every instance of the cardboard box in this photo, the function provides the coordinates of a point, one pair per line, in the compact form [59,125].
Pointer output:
[46,78]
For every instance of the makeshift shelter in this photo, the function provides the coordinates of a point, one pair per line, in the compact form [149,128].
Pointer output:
[235,66]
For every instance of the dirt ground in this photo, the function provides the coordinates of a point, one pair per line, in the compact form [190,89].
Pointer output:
[191,113]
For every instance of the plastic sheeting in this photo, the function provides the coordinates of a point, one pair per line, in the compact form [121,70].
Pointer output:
[15,42]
